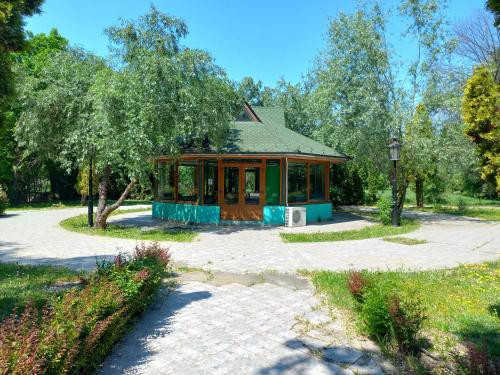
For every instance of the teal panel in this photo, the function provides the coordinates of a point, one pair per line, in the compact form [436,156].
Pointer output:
[274,215]
[317,212]
[186,212]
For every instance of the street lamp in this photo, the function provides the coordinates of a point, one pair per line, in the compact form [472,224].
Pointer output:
[90,212]
[394,155]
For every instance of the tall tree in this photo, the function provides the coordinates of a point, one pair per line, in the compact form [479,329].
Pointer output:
[12,13]
[481,113]
[479,41]
[28,62]
[157,93]
[351,91]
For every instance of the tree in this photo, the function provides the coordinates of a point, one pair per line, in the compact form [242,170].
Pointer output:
[350,92]
[419,152]
[254,92]
[479,41]
[12,39]
[28,62]
[157,94]
[481,113]
[494,7]
[82,183]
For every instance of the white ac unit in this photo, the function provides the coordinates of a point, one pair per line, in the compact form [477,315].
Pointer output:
[295,216]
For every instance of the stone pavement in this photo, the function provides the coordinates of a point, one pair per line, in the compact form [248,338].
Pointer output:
[35,236]
[235,329]
[271,325]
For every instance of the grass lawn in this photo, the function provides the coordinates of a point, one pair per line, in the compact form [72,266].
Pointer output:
[79,224]
[491,214]
[374,231]
[19,283]
[450,198]
[463,302]
[64,204]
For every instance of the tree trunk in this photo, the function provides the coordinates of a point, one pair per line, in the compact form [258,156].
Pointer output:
[402,186]
[83,199]
[103,211]
[419,192]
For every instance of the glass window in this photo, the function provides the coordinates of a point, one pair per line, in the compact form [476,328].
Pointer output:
[273,182]
[252,185]
[317,181]
[210,182]
[297,182]
[186,184]
[231,185]
[166,181]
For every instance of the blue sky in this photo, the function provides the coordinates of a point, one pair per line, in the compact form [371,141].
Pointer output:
[263,39]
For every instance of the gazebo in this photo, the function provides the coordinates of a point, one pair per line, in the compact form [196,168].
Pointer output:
[263,168]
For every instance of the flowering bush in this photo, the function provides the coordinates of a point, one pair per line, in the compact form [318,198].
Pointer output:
[74,332]
[357,284]
[406,314]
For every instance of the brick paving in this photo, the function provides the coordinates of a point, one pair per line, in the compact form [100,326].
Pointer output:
[35,236]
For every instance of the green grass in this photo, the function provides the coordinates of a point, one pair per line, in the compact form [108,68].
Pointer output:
[79,224]
[405,240]
[490,214]
[374,231]
[64,204]
[19,283]
[450,198]
[463,301]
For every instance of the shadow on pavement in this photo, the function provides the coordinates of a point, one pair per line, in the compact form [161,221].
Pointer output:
[134,351]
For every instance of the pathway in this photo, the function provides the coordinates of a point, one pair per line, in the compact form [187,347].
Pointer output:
[35,236]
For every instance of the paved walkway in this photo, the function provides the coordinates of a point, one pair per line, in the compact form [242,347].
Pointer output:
[222,327]
[35,236]
[235,329]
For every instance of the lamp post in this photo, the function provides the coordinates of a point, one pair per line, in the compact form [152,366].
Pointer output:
[90,212]
[394,155]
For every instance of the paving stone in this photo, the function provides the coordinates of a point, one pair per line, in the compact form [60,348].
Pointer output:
[342,355]
[223,278]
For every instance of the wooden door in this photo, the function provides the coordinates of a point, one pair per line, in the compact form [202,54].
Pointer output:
[242,191]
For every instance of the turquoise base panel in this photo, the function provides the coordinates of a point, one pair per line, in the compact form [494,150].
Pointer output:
[186,212]
[273,215]
[318,212]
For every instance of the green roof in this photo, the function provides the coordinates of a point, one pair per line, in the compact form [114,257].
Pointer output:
[270,136]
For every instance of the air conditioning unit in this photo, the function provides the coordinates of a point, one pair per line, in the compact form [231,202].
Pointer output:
[295,216]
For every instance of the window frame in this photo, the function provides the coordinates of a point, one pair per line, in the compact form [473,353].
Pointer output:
[326,165]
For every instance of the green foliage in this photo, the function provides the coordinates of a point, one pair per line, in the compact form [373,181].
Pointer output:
[12,13]
[3,200]
[458,302]
[162,93]
[82,181]
[375,314]
[346,185]
[406,315]
[81,326]
[22,283]
[384,206]
[481,115]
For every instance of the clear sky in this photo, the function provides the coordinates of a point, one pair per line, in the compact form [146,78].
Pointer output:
[263,39]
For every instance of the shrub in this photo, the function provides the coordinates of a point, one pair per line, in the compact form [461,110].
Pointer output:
[461,206]
[406,315]
[375,314]
[478,361]
[357,284]
[384,206]
[79,328]
[3,201]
